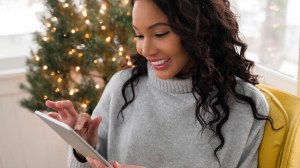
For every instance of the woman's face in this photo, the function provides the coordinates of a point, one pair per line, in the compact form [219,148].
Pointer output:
[157,42]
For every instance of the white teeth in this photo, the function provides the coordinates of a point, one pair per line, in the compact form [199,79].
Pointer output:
[160,62]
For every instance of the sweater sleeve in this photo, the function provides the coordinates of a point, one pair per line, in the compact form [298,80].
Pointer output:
[249,157]
[73,162]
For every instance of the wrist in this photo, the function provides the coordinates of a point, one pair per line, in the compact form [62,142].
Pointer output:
[79,156]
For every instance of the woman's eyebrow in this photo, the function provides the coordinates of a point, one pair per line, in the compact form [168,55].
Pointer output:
[154,25]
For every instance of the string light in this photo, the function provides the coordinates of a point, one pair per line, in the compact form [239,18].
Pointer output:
[83,105]
[48,24]
[108,39]
[72,51]
[129,63]
[80,55]
[59,80]
[103,9]
[53,30]
[45,67]
[125,2]
[45,38]
[52,73]
[65,5]
[73,31]
[57,90]
[37,58]
[87,21]
[103,27]
[95,61]
[45,97]
[77,68]
[97,86]
[87,35]
[71,92]
[120,53]
[54,19]
[113,59]
[84,13]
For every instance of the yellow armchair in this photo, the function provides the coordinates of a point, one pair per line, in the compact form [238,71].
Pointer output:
[281,149]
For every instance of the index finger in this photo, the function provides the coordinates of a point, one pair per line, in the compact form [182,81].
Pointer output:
[68,106]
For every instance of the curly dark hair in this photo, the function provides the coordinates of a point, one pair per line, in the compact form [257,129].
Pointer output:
[209,33]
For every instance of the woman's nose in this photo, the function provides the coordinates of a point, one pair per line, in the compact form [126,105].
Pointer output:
[148,49]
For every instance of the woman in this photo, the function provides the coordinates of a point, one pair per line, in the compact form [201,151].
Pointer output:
[190,100]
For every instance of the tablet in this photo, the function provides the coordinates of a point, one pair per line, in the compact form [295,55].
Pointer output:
[72,138]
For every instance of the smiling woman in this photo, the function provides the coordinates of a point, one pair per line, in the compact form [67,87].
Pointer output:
[157,42]
[188,101]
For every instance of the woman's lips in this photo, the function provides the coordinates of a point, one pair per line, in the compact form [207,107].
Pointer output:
[159,64]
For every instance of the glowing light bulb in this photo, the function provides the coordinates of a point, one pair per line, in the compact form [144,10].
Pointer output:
[129,63]
[65,5]
[57,90]
[59,80]
[54,19]
[73,31]
[97,86]
[80,55]
[87,35]
[83,105]
[103,27]
[108,39]
[87,21]
[45,97]
[113,59]
[77,68]
[84,13]
[48,24]
[45,67]
[37,58]
[71,92]
[53,30]
[45,38]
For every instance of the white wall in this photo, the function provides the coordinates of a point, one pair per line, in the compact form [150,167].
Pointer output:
[25,141]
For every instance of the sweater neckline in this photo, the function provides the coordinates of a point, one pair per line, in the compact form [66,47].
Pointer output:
[173,85]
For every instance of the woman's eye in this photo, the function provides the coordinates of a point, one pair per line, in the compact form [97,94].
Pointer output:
[161,34]
[139,36]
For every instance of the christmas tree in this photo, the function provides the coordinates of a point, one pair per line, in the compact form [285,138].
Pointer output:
[84,43]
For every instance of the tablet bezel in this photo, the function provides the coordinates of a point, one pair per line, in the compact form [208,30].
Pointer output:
[72,138]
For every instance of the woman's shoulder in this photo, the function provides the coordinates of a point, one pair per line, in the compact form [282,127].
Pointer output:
[119,78]
[253,92]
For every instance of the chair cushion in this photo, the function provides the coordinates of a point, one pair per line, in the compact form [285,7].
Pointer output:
[273,140]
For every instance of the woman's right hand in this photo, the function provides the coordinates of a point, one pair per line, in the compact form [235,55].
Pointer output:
[82,123]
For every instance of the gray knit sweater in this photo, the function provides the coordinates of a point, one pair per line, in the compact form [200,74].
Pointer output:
[160,130]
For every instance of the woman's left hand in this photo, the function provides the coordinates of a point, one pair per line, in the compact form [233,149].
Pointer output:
[97,164]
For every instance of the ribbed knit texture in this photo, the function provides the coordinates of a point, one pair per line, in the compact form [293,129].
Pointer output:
[159,129]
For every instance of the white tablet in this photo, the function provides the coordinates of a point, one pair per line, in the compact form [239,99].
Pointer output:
[72,138]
